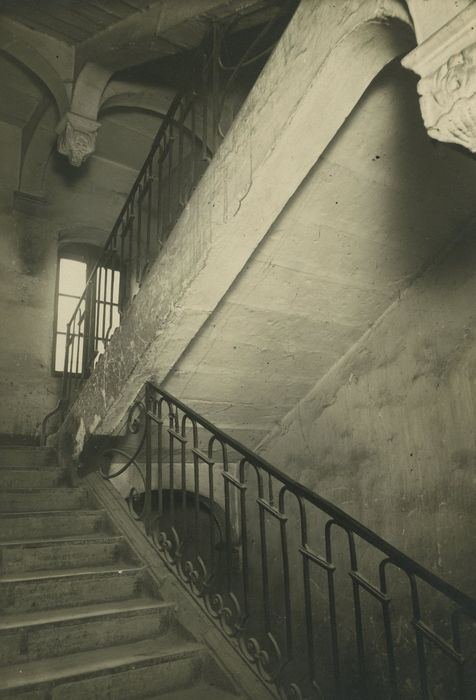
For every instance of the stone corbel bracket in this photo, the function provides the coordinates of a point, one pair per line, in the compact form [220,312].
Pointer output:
[78,127]
[446,63]
[77,137]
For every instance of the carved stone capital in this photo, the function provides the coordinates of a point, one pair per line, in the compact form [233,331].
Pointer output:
[77,137]
[446,62]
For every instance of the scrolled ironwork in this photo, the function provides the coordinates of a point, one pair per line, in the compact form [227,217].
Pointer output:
[134,502]
[265,655]
[291,692]
[228,614]
[196,576]
[241,538]
[167,543]
[134,424]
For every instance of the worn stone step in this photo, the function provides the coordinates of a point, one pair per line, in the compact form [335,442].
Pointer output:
[122,672]
[199,691]
[30,500]
[64,553]
[46,590]
[12,456]
[31,477]
[20,526]
[34,636]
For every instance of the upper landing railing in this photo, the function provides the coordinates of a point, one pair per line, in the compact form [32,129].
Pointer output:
[188,137]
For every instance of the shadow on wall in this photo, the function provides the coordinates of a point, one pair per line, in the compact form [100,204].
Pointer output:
[383,431]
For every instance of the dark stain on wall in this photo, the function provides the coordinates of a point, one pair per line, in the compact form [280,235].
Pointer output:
[32,251]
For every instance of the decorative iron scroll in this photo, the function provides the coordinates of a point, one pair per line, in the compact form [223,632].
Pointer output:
[135,426]
[317,604]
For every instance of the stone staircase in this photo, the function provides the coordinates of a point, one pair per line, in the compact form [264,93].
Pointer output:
[80,616]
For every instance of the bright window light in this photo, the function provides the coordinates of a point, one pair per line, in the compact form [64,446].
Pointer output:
[100,318]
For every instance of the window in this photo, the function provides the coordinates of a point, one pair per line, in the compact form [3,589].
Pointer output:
[71,283]
[106,311]
[98,315]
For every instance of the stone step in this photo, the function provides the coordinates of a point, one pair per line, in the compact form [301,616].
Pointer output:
[46,590]
[39,635]
[64,553]
[21,526]
[199,691]
[30,500]
[13,456]
[31,477]
[121,672]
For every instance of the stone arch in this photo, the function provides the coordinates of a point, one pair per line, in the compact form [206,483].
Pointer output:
[25,54]
[39,150]
[136,96]
[39,139]
[378,34]
[83,235]
[88,90]
[145,98]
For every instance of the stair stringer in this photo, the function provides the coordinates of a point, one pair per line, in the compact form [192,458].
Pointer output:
[187,612]
[241,195]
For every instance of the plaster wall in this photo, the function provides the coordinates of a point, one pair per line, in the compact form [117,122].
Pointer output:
[378,206]
[368,219]
[79,209]
[80,205]
[242,194]
[69,204]
[388,434]
[27,269]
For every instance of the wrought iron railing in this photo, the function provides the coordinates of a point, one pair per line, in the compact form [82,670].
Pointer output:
[319,605]
[191,131]
[177,159]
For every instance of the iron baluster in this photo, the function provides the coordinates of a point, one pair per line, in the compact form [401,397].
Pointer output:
[359,629]
[160,217]
[286,573]
[180,200]
[244,538]
[160,469]
[392,666]
[421,656]
[332,609]
[97,308]
[148,466]
[170,174]
[227,599]
[149,214]
[103,302]
[140,199]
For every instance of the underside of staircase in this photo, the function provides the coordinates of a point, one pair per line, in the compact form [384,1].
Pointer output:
[81,618]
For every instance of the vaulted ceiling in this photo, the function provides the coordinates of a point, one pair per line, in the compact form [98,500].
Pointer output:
[121,62]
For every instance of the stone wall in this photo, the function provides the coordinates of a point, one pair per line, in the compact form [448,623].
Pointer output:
[27,280]
[78,206]
[27,270]
[389,434]
[283,128]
